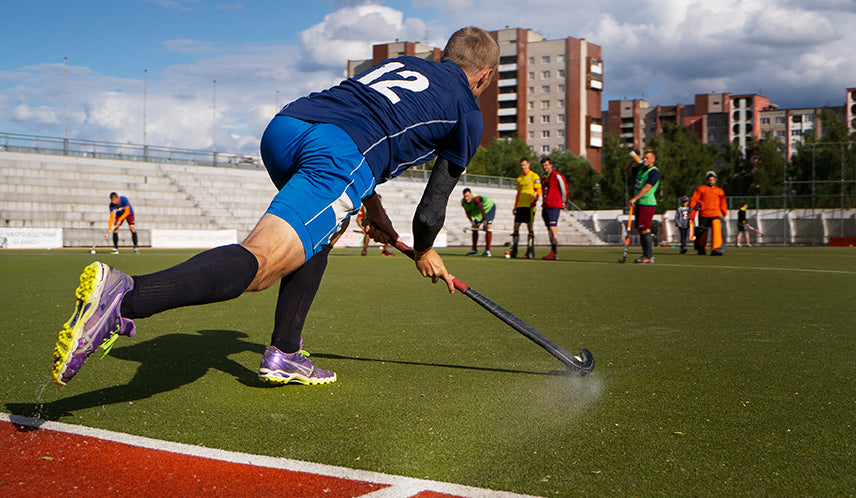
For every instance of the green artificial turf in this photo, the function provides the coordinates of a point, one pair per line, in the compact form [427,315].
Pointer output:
[714,376]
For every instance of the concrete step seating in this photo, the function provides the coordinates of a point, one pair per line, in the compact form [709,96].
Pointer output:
[44,191]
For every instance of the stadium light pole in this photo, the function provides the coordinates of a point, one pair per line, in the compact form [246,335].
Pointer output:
[145,91]
[214,122]
[64,101]
[145,88]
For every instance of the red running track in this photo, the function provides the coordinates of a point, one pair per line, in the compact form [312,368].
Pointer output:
[52,459]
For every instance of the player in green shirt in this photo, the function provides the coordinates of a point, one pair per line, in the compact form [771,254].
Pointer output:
[480,210]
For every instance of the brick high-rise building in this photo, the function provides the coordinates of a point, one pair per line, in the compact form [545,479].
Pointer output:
[548,92]
[715,117]
[790,126]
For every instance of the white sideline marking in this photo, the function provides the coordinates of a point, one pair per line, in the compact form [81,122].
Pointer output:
[761,268]
[399,486]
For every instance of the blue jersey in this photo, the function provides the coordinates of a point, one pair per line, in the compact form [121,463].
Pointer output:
[118,209]
[401,113]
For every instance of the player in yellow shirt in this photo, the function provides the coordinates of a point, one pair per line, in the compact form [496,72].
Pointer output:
[528,192]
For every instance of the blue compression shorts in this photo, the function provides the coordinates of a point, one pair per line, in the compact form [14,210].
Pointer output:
[550,216]
[321,175]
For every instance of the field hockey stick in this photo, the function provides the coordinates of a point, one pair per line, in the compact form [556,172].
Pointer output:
[754,229]
[480,229]
[581,365]
[627,235]
[100,239]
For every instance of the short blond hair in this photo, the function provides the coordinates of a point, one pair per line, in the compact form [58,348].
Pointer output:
[473,49]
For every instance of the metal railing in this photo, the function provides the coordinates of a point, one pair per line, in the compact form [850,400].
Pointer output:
[14,142]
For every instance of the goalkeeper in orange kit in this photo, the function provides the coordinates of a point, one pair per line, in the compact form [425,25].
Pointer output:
[712,210]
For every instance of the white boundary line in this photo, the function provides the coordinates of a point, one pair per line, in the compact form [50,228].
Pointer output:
[399,486]
[760,268]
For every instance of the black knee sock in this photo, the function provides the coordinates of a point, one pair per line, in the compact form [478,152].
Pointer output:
[215,275]
[134,238]
[115,240]
[647,245]
[296,292]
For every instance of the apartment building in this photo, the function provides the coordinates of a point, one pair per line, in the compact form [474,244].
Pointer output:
[790,126]
[721,118]
[547,92]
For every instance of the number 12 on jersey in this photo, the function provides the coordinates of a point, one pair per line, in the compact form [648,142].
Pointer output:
[387,78]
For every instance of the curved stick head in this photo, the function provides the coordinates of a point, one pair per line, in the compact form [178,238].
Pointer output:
[582,364]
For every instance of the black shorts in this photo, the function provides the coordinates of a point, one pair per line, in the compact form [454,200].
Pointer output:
[524,215]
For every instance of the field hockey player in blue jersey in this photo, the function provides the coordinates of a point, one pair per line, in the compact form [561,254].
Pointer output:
[325,153]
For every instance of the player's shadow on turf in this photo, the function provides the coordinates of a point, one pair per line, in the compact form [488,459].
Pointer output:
[441,365]
[166,363]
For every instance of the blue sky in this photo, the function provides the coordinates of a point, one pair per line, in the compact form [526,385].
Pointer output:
[263,53]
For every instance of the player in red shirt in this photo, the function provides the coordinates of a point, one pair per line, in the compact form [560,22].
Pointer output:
[555,197]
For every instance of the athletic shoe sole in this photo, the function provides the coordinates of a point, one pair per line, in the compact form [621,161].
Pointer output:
[72,340]
[280,378]
[300,372]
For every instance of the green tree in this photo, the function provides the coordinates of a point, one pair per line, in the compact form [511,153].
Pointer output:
[821,163]
[501,158]
[613,187]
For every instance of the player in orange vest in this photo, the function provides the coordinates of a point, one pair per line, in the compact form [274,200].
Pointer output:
[713,208]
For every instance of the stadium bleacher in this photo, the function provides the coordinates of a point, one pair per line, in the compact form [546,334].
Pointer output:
[69,192]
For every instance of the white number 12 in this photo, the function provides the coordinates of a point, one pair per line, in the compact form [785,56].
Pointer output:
[413,81]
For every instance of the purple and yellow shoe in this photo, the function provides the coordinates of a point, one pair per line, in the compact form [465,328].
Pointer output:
[95,322]
[281,368]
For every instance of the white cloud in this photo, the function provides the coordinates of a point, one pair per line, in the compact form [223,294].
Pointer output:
[349,34]
[798,53]
[42,115]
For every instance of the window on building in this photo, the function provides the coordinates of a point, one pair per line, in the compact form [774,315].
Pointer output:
[545,149]
[531,119]
[560,103]
[560,118]
[560,73]
[545,89]
[545,133]
[530,105]
[560,133]
[545,59]
[545,119]
[780,119]
[545,104]
[531,135]
[531,75]
[532,60]
[545,75]
[531,90]
[560,58]
[560,88]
